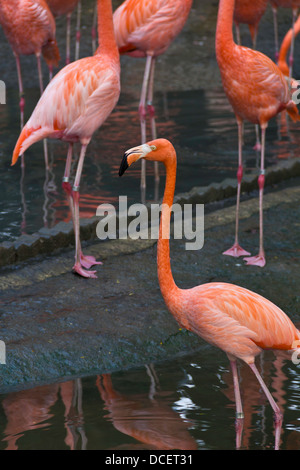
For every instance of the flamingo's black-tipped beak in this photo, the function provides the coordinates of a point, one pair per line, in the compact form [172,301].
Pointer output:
[124,165]
[134,154]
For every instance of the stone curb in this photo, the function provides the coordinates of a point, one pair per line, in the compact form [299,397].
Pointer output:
[50,241]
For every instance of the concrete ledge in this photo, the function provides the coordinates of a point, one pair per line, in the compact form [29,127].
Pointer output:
[48,241]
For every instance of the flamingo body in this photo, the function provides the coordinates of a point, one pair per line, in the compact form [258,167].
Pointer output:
[30,29]
[148,27]
[60,8]
[250,12]
[240,322]
[75,103]
[259,91]
[28,25]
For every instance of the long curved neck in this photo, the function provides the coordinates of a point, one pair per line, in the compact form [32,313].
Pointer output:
[106,37]
[286,43]
[165,277]
[224,34]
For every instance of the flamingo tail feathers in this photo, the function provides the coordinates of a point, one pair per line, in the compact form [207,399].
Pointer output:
[28,137]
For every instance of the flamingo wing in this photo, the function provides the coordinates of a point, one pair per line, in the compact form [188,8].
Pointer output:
[74,104]
[149,25]
[239,321]
[259,91]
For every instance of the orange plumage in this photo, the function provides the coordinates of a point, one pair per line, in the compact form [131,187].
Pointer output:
[59,7]
[28,25]
[257,91]
[250,12]
[285,46]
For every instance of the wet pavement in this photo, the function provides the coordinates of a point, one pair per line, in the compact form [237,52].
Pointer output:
[56,324]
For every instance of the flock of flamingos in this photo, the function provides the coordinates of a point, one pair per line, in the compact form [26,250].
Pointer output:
[80,97]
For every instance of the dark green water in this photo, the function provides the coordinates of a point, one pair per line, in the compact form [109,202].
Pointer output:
[183,404]
[199,123]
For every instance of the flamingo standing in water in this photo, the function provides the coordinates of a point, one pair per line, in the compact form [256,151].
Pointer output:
[294,5]
[238,321]
[249,12]
[257,91]
[30,29]
[285,45]
[76,102]
[66,7]
[146,28]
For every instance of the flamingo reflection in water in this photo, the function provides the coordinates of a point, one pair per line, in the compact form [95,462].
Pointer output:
[148,418]
[29,410]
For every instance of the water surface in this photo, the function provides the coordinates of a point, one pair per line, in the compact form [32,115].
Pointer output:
[200,124]
[186,403]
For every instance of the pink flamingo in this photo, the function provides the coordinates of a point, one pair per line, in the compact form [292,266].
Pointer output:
[146,28]
[30,29]
[236,320]
[66,7]
[76,102]
[285,45]
[257,91]
[250,12]
[294,5]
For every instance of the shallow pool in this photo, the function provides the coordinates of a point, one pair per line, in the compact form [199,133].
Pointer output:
[186,403]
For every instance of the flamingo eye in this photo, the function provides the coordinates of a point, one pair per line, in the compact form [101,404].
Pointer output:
[152,147]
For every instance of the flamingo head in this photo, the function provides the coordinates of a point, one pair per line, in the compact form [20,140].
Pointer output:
[155,150]
[134,154]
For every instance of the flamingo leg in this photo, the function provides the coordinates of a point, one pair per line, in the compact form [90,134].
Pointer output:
[39,66]
[254,38]
[239,416]
[277,413]
[21,90]
[68,40]
[45,145]
[50,72]
[151,112]
[94,30]
[236,249]
[259,260]
[238,34]
[142,114]
[78,34]
[80,260]
[276,33]
[291,58]
[66,184]
[257,146]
